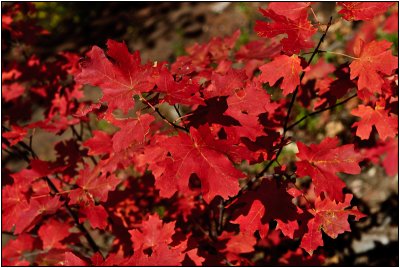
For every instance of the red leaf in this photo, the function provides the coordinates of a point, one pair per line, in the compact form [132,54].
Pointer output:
[322,161]
[282,66]
[373,58]
[185,91]
[225,84]
[12,91]
[16,134]
[92,186]
[291,10]
[96,215]
[331,217]
[386,124]
[100,143]
[13,204]
[242,107]
[251,222]
[133,131]
[362,10]
[299,30]
[36,209]
[198,153]
[14,249]
[52,232]
[153,233]
[119,81]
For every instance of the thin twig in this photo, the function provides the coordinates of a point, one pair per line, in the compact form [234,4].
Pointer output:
[285,127]
[160,114]
[320,111]
[54,191]
[180,117]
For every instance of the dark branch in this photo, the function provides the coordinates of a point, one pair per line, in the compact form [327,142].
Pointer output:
[261,174]
[320,111]
[54,190]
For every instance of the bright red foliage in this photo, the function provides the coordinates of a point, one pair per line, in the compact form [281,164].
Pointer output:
[178,169]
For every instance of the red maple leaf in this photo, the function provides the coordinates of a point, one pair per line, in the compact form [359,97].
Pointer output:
[362,10]
[153,232]
[251,222]
[156,235]
[299,30]
[372,58]
[52,232]
[93,186]
[96,215]
[13,203]
[120,80]
[132,132]
[282,66]
[186,91]
[331,217]
[198,153]
[36,209]
[264,205]
[291,10]
[322,161]
[100,143]
[242,107]
[386,124]
[225,84]
[11,253]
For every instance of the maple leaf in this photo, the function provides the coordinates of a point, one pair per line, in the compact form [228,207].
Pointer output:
[225,84]
[164,256]
[186,91]
[331,217]
[13,204]
[362,10]
[96,215]
[282,66]
[132,132]
[197,153]
[264,205]
[322,161]
[299,30]
[252,221]
[372,58]
[243,108]
[52,232]
[100,143]
[120,80]
[37,208]
[156,235]
[14,249]
[92,186]
[153,233]
[386,124]
[291,10]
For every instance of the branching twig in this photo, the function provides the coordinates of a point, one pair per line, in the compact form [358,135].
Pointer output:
[320,111]
[160,114]
[54,190]
[285,127]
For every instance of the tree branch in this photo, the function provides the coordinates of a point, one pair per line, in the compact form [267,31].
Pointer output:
[320,111]
[261,174]
[54,190]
